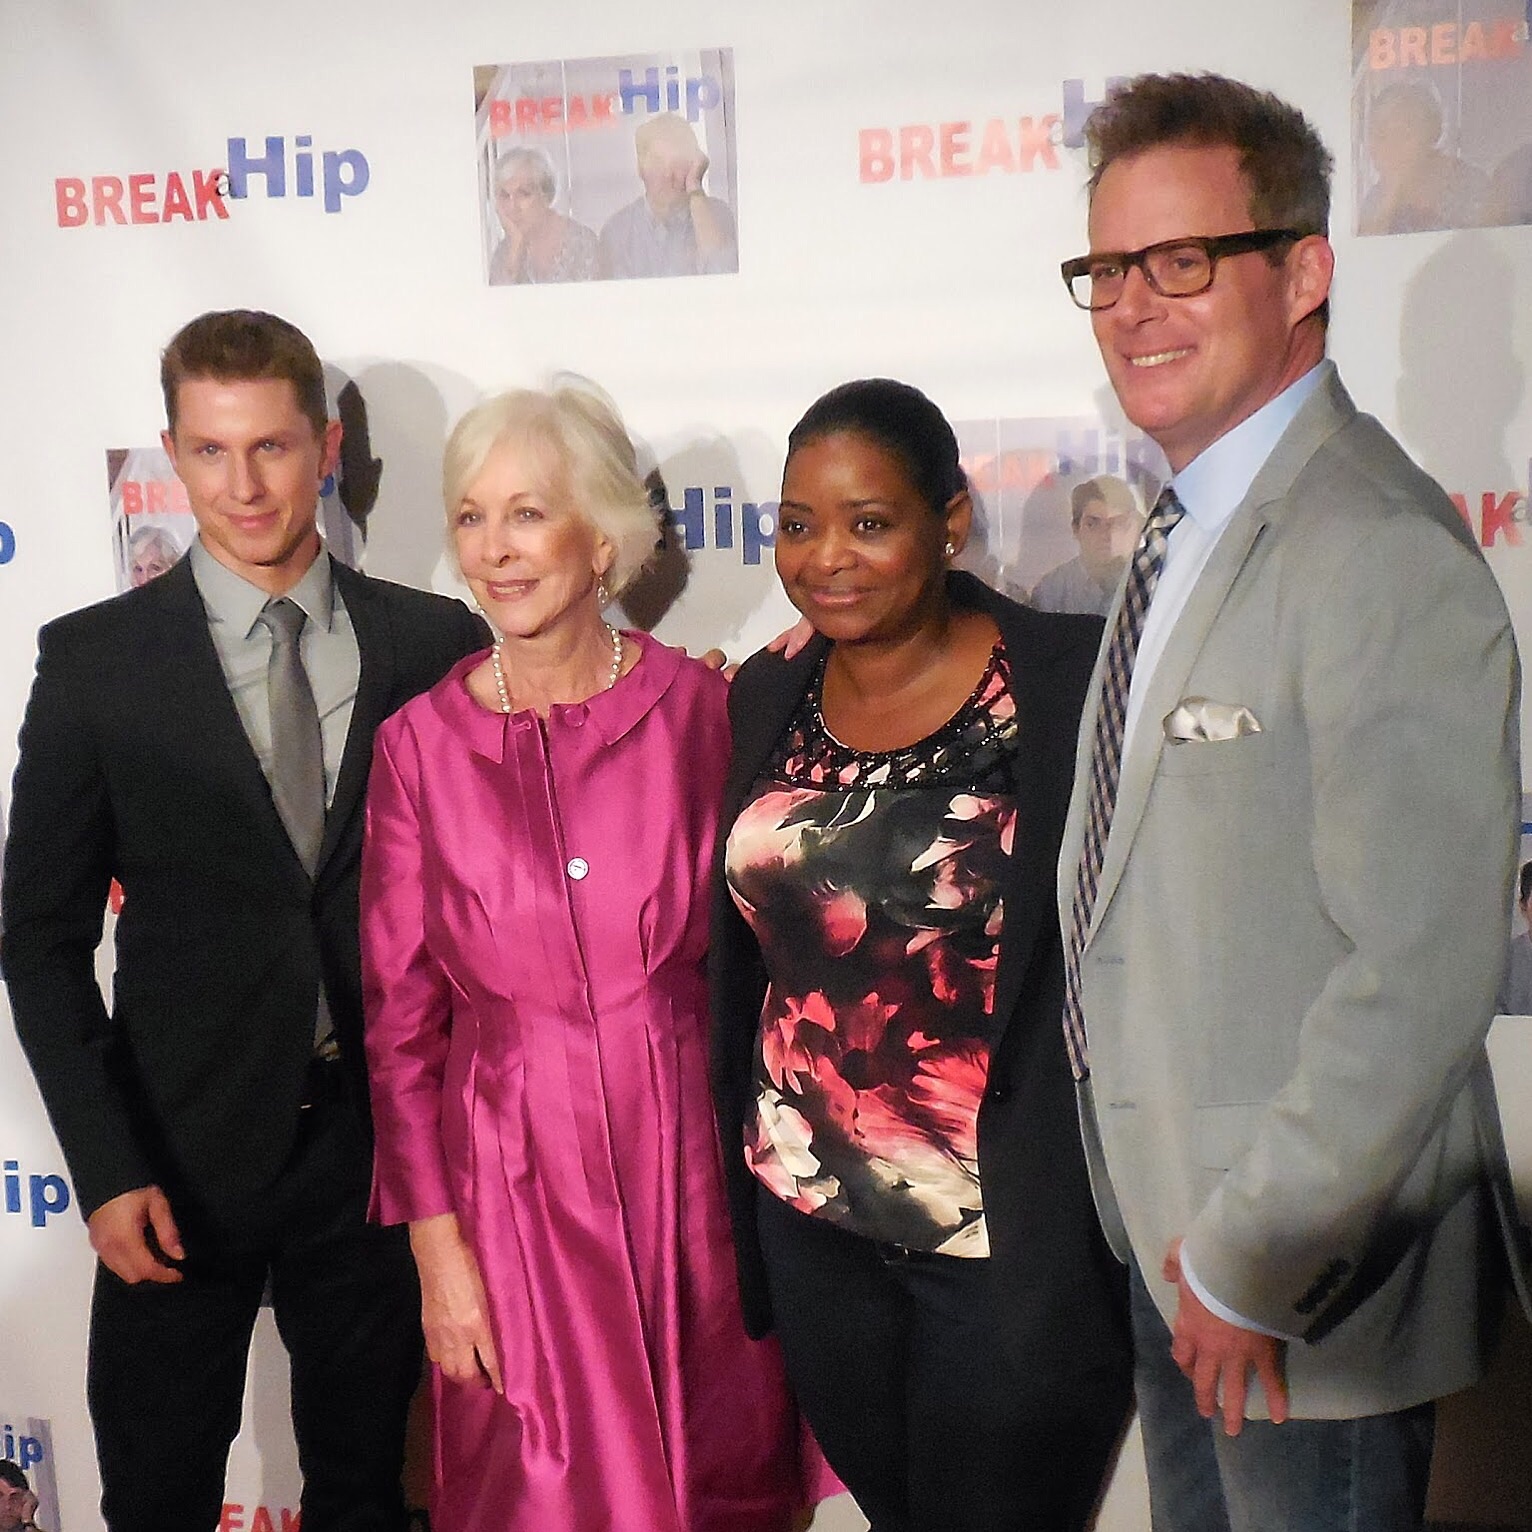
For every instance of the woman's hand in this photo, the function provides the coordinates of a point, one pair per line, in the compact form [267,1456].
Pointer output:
[515,249]
[453,1313]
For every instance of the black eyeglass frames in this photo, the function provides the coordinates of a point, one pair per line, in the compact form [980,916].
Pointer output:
[1174,268]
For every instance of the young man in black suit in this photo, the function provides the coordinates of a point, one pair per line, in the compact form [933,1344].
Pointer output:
[207,742]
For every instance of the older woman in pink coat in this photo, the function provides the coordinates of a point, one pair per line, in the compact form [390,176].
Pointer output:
[540,828]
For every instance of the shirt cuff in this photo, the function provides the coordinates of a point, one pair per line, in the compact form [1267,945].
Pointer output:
[1222,1310]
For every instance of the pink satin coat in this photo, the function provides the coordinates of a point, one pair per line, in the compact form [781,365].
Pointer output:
[534,930]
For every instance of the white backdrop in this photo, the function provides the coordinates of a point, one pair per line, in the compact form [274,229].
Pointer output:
[857,255]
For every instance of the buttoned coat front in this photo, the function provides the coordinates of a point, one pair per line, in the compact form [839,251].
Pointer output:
[534,937]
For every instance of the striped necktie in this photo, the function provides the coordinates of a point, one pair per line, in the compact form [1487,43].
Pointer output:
[1106,756]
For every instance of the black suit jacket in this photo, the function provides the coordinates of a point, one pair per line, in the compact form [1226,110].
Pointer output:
[134,765]
[1065,1296]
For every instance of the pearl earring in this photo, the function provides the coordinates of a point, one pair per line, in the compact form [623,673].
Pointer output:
[949,550]
[603,595]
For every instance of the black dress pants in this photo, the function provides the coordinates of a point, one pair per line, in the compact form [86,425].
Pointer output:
[166,1369]
[929,1420]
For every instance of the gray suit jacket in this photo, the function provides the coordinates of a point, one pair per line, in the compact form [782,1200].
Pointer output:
[1300,930]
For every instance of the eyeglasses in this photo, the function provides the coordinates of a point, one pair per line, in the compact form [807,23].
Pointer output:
[1174,268]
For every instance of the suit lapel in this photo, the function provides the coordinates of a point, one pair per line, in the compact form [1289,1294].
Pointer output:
[1166,687]
[374,687]
[773,703]
[1041,763]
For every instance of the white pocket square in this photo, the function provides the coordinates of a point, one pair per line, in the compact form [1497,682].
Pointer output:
[1196,719]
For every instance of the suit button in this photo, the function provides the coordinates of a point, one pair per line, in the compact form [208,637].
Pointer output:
[577,868]
[575,716]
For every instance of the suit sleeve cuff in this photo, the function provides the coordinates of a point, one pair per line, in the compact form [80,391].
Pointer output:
[1222,1310]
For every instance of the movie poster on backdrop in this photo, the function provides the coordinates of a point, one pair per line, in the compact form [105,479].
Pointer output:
[151,519]
[152,523]
[607,168]
[1441,104]
[1058,506]
[26,1443]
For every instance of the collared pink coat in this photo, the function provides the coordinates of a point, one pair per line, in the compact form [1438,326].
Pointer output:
[534,931]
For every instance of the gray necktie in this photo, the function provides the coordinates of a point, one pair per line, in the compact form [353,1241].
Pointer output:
[297,754]
[1106,757]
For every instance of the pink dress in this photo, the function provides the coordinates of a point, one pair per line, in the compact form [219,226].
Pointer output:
[534,928]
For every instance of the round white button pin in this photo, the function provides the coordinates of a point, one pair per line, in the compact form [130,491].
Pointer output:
[577,867]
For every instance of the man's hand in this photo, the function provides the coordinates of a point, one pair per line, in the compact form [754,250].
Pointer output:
[119,1234]
[453,1312]
[695,172]
[1218,1357]
[791,643]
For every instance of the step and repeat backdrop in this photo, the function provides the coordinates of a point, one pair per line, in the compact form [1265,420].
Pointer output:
[452,199]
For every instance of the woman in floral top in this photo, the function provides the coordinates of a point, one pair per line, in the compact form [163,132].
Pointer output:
[906,1177]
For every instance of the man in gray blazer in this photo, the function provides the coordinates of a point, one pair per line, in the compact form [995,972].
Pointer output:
[1287,867]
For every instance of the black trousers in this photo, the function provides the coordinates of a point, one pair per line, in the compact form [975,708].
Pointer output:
[928,1419]
[165,1376]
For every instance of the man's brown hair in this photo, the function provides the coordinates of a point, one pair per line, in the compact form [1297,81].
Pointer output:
[1284,162]
[244,345]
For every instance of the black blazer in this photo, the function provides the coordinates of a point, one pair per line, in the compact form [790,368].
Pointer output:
[1065,1314]
[134,765]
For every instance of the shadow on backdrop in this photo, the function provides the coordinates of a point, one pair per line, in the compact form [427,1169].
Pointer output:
[1455,402]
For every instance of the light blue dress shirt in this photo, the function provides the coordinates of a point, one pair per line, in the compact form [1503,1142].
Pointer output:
[1211,488]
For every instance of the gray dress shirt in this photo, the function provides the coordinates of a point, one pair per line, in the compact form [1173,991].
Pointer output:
[328,647]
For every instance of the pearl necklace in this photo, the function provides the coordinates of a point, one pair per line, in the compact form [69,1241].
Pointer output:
[504,692]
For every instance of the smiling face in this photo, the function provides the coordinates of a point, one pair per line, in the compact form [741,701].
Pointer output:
[531,561]
[252,465]
[1188,370]
[859,551]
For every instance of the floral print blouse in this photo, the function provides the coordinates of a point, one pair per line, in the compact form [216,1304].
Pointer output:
[872,883]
